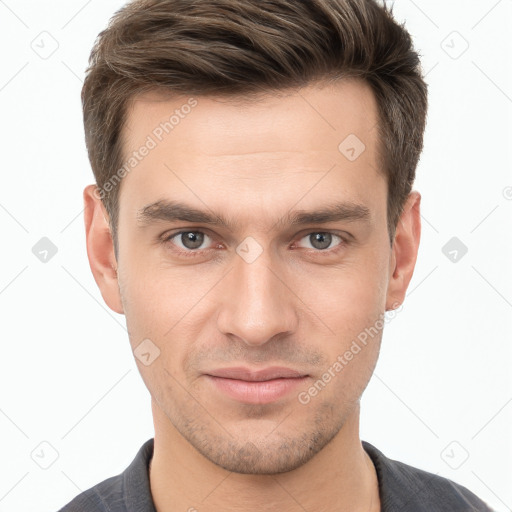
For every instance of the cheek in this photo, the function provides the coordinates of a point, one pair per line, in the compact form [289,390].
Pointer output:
[150,290]
[145,298]
[166,305]
[347,297]
[347,307]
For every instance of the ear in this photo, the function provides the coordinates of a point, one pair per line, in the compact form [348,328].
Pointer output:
[405,251]
[100,248]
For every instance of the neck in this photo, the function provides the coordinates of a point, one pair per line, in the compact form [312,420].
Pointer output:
[341,477]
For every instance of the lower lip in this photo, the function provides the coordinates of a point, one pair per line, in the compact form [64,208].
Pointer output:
[256,392]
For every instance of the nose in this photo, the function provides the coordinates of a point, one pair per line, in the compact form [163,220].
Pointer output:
[257,303]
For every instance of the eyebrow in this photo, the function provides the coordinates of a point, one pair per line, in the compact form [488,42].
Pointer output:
[171,211]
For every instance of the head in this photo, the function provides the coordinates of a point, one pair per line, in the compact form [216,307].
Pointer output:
[253,206]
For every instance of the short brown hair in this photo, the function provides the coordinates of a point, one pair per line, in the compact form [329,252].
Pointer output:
[241,47]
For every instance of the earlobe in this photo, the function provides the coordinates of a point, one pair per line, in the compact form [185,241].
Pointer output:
[100,249]
[405,251]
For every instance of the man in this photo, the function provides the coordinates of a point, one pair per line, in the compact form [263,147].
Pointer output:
[252,216]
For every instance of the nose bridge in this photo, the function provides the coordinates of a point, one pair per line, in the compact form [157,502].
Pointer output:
[257,304]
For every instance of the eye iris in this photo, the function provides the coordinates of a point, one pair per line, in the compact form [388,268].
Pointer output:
[324,240]
[192,239]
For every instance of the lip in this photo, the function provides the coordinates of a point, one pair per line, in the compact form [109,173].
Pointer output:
[256,387]
[242,373]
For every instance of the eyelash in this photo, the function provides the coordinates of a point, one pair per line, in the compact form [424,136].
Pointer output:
[167,239]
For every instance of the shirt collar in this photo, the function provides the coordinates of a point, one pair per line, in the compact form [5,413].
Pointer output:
[138,498]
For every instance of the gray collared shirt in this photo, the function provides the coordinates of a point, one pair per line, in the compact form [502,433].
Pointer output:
[402,488]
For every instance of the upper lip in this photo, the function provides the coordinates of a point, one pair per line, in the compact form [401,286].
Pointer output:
[241,373]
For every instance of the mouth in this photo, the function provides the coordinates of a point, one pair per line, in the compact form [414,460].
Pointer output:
[256,387]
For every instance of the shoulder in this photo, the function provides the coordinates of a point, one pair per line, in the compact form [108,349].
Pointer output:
[129,490]
[406,488]
[99,498]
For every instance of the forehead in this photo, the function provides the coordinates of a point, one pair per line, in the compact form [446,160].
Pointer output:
[339,108]
[322,137]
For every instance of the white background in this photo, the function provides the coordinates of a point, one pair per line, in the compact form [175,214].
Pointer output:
[442,389]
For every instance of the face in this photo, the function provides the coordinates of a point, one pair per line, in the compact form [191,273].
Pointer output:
[285,262]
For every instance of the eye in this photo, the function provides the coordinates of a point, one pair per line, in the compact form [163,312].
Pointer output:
[188,241]
[321,241]
[194,243]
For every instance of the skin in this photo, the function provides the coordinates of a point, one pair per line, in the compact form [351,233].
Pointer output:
[296,305]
